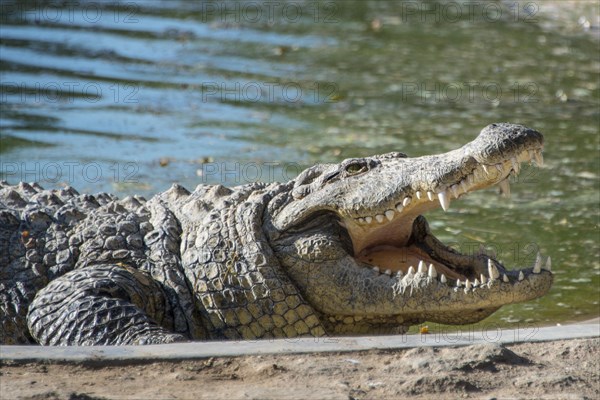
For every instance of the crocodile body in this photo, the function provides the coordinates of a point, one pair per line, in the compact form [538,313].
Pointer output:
[341,249]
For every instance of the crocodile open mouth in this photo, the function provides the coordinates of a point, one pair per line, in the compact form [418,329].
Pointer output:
[397,241]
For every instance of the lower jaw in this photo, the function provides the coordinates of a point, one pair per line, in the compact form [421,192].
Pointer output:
[399,324]
[421,250]
[395,259]
[366,325]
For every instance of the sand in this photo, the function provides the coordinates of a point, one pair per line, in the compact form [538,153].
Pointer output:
[567,369]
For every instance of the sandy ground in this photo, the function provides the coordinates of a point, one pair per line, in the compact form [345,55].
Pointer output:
[568,369]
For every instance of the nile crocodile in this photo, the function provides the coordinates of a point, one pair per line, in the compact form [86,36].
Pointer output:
[341,249]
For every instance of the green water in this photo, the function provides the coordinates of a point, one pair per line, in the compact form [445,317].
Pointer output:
[129,98]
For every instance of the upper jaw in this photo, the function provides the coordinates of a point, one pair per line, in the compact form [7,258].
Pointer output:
[391,222]
[398,186]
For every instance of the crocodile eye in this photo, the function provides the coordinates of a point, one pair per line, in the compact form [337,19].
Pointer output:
[356,168]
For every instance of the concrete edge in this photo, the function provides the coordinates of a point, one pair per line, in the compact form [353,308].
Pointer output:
[200,350]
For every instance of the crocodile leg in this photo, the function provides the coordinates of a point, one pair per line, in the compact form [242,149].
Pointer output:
[102,305]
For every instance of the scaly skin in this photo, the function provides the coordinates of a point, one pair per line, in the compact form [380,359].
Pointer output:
[341,249]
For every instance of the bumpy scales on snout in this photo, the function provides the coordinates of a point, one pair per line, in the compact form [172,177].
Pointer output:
[342,249]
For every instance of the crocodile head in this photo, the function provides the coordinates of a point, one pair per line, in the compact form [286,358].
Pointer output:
[353,237]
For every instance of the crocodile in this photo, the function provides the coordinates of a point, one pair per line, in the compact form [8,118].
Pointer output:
[342,249]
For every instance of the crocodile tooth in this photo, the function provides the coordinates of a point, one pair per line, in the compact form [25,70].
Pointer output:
[454,189]
[361,221]
[521,276]
[430,195]
[368,220]
[399,207]
[482,249]
[376,269]
[458,283]
[432,271]
[379,218]
[406,201]
[515,165]
[539,158]
[421,267]
[485,168]
[505,187]
[524,156]
[443,278]
[505,278]
[464,187]
[399,274]
[483,279]
[342,224]
[468,284]
[388,272]
[476,282]
[537,266]
[548,266]
[418,194]
[411,270]
[444,200]
[389,214]
[492,270]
